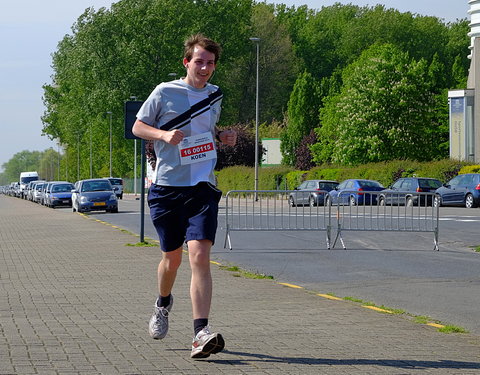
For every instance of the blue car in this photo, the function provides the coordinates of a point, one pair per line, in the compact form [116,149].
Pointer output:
[94,195]
[355,192]
[60,195]
[463,190]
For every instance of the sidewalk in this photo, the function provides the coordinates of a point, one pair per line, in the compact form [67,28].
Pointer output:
[74,299]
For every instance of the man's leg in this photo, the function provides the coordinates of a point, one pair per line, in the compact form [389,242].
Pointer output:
[167,272]
[204,342]
[201,282]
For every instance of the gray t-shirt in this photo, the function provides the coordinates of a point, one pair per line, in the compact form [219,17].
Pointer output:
[166,102]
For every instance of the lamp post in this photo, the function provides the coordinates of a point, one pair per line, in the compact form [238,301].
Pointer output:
[110,113]
[257,42]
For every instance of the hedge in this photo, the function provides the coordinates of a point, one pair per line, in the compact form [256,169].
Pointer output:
[286,178]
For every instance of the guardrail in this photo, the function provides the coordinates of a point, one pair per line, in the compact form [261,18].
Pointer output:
[273,210]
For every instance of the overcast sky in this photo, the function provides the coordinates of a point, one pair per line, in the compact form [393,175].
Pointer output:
[31,29]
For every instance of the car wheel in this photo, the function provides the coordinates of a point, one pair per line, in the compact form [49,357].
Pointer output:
[381,201]
[352,201]
[437,201]
[312,202]
[291,202]
[469,201]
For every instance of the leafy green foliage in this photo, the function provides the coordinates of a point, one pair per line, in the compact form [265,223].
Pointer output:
[383,112]
[302,115]
[112,54]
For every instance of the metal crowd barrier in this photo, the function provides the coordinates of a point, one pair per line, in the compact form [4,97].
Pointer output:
[272,210]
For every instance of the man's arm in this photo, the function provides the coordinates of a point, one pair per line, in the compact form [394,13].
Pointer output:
[145,131]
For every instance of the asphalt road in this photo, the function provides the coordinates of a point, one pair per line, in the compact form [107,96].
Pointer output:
[397,270]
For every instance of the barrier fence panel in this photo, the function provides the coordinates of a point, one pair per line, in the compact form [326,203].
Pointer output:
[272,210]
[392,212]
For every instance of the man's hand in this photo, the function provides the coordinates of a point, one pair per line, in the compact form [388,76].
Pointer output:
[229,137]
[173,137]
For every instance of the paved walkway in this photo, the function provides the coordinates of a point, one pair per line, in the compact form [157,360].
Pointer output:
[74,299]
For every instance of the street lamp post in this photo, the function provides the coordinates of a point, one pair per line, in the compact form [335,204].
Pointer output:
[110,113]
[257,42]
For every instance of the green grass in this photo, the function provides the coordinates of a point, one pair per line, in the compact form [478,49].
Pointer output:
[450,328]
[238,272]
[476,249]
[422,319]
[142,244]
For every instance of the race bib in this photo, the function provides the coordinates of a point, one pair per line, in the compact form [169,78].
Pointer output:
[197,148]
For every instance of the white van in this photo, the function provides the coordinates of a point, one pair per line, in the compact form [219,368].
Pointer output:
[25,178]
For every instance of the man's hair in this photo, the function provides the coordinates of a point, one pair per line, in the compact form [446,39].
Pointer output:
[202,41]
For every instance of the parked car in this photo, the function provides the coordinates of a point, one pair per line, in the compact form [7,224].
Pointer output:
[60,195]
[351,192]
[403,192]
[31,188]
[37,193]
[117,184]
[311,192]
[94,195]
[463,190]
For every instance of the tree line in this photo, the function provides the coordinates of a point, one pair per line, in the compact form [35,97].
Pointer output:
[342,84]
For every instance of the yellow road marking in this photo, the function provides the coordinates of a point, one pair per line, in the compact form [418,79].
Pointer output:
[329,297]
[213,262]
[435,325]
[291,285]
[378,309]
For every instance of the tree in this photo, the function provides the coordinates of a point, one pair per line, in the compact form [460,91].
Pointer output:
[302,115]
[383,112]
[303,155]
[277,68]
[128,50]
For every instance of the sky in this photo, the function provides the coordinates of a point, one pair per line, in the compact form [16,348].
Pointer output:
[30,31]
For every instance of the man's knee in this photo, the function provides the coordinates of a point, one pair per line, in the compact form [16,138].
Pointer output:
[172,259]
[199,252]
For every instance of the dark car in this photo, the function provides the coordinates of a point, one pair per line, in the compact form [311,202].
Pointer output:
[60,195]
[311,192]
[404,192]
[463,190]
[355,192]
[94,195]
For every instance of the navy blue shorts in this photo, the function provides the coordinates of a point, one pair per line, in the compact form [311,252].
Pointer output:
[184,213]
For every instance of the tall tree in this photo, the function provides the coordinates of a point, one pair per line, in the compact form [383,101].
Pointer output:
[302,115]
[383,112]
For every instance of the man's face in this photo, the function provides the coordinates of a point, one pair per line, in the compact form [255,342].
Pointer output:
[200,68]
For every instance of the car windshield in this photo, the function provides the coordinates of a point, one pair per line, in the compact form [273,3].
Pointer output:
[115,181]
[427,183]
[369,184]
[96,186]
[62,188]
[327,186]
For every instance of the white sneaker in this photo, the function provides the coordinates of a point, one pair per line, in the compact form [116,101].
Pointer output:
[158,325]
[206,343]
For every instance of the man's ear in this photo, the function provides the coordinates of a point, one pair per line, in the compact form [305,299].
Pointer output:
[185,62]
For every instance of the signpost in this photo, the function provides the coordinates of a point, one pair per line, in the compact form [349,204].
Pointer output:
[131,109]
